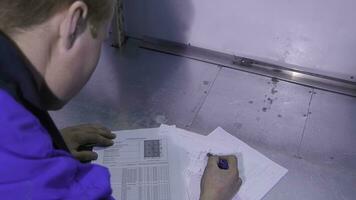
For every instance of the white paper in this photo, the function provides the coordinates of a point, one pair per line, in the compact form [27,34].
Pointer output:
[197,147]
[141,168]
[259,173]
[184,154]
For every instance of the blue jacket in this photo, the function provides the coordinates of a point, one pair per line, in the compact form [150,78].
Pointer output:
[34,160]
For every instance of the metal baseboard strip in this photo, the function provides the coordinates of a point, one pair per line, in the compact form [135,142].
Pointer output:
[275,71]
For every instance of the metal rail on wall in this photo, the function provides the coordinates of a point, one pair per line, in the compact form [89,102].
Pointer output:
[289,73]
[118,26]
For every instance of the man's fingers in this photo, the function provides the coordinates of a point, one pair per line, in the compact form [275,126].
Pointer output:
[239,182]
[86,138]
[85,155]
[213,161]
[104,142]
[99,129]
[96,139]
[232,160]
[107,134]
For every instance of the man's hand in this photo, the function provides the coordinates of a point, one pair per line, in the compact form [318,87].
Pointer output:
[220,184]
[88,134]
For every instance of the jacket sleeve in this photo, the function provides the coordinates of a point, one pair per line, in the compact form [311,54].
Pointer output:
[30,168]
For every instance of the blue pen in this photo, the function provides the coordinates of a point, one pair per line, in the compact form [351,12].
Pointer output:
[222,164]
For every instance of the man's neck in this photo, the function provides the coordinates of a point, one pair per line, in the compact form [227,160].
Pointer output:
[35,45]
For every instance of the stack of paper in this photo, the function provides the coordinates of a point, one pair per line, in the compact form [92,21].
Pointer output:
[184,155]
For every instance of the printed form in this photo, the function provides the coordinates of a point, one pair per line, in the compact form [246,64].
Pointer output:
[140,166]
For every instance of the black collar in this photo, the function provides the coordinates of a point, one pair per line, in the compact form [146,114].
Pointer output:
[17,79]
[15,71]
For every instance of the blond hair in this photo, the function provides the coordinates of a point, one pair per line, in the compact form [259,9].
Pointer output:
[23,14]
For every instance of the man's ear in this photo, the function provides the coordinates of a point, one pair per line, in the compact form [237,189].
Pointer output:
[74,23]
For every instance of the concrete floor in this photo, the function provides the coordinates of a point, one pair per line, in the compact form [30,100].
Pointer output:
[310,132]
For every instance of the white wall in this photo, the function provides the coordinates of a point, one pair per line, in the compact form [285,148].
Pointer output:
[318,34]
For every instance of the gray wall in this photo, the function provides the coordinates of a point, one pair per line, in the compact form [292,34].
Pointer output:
[317,34]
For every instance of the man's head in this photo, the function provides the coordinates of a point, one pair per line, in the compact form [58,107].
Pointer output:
[61,38]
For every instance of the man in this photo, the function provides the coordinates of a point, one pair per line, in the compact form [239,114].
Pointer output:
[48,51]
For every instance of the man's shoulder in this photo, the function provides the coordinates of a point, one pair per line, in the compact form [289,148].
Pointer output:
[32,164]
[11,110]
[19,128]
